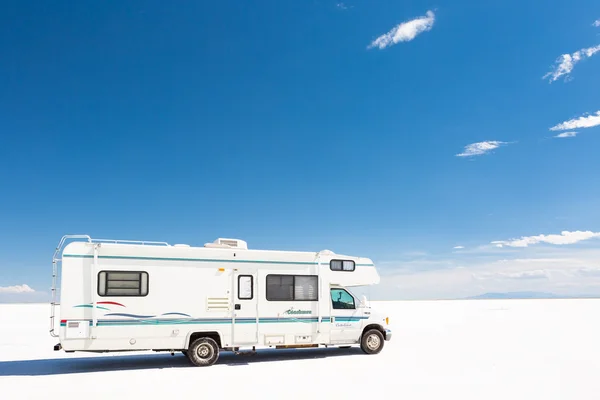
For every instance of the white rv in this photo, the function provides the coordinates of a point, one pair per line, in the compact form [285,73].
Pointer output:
[127,295]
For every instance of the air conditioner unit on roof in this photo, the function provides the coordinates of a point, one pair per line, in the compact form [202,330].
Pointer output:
[228,243]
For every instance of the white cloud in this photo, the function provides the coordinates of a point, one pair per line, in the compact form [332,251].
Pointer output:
[16,289]
[588,121]
[341,6]
[565,237]
[596,23]
[476,149]
[569,271]
[405,32]
[566,62]
[459,247]
[566,134]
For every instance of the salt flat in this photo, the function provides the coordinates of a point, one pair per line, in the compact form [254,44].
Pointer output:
[479,349]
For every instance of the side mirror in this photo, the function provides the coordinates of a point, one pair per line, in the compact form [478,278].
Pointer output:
[364,302]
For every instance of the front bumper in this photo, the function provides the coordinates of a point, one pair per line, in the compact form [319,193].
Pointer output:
[388,335]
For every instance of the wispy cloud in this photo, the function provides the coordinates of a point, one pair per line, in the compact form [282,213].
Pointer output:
[588,121]
[566,62]
[16,289]
[341,6]
[479,148]
[533,274]
[588,272]
[565,237]
[405,32]
[566,134]
[596,23]
[458,247]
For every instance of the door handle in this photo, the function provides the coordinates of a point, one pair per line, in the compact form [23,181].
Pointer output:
[238,306]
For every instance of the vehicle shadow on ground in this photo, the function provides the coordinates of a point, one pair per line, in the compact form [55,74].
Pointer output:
[106,363]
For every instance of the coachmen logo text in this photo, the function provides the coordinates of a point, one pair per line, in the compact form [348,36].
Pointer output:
[291,311]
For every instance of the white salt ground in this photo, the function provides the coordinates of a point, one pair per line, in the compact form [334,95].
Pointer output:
[441,350]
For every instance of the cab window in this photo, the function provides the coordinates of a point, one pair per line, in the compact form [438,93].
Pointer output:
[341,299]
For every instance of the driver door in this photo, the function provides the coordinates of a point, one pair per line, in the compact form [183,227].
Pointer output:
[345,317]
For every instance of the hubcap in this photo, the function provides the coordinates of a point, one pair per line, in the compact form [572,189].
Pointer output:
[204,351]
[373,342]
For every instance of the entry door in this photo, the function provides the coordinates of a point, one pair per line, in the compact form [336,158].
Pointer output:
[245,312]
[346,323]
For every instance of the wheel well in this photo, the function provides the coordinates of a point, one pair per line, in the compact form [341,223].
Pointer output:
[374,326]
[213,335]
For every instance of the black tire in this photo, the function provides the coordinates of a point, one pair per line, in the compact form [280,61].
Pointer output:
[372,341]
[203,352]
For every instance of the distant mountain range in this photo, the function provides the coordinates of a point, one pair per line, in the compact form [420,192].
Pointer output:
[526,295]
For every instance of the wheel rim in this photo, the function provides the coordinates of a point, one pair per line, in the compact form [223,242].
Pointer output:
[373,342]
[204,351]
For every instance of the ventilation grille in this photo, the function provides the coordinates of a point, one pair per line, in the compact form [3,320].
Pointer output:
[217,304]
[234,243]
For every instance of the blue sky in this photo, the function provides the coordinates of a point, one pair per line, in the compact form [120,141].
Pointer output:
[304,125]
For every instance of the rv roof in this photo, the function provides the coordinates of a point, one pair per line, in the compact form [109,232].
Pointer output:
[218,244]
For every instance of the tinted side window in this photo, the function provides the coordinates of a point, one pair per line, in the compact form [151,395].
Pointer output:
[292,288]
[342,300]
[122,283]
[342,265]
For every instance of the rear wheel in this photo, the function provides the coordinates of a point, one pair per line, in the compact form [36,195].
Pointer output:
[372,341]
[203,352]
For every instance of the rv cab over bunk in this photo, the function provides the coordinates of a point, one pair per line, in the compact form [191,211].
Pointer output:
[120,295]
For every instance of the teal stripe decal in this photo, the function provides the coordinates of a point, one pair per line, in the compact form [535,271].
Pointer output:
[201,260]
[348,319]
[219,321]
[91,306]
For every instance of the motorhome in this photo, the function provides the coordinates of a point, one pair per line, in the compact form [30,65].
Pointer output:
[117,295]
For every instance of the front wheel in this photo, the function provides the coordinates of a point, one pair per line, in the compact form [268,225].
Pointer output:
[372,341]
[203,352]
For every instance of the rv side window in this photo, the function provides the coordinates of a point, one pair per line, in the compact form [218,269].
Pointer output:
[122,283]
[292,288]
[245,287]
[342,265]
[341,299]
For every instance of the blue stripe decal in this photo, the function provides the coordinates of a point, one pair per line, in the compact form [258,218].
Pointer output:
[129,315]
[188,321]
[177,313]
[348,319]
[201,260]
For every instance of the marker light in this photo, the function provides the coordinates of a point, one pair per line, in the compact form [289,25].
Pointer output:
[221,269]
[387,320]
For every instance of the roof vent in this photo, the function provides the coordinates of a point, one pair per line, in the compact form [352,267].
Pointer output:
[228,243]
